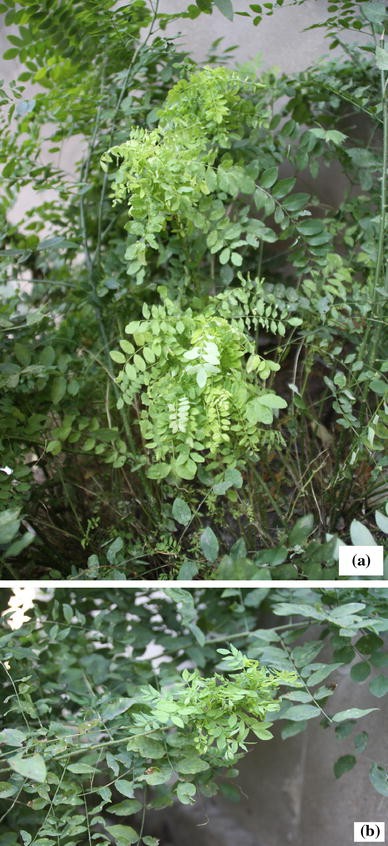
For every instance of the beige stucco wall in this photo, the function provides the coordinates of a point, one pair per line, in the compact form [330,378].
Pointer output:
[279,39]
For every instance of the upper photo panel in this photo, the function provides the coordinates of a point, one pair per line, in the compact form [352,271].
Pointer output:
[193,270]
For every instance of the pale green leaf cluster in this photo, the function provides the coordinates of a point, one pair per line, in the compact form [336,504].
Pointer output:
[168,174]
[199,396]
[216,714]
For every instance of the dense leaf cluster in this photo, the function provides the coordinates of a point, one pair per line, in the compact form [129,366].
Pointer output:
[195,389]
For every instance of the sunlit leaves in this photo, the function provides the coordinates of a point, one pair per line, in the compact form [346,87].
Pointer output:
[186,792]
[209,544]
[198,397]
[181,511]
[301,712]
[31,767]
[352,714]
[123,834]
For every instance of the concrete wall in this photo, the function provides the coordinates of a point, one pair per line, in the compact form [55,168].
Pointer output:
[279,39]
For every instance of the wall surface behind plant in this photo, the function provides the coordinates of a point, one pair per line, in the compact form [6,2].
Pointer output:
[279,39]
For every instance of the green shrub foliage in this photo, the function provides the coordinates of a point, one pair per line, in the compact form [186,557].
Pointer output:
[191,321]
[196,389]
[96,730]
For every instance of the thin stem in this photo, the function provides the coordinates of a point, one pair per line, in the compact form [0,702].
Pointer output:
[143,815]
[16,694]
[380,250]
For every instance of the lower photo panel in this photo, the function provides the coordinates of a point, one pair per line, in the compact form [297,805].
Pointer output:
[220,717]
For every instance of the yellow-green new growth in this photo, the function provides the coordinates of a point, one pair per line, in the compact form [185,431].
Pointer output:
[198,395]
[167,174]
[217,713]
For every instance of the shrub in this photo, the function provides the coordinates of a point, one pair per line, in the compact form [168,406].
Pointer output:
[279,295]
[94,731]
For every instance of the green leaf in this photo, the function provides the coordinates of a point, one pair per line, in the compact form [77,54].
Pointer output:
[148,747]
[209,544]
[377,385]
[374,11]
[22,354]
[7,789]
[236,259]
[225,7]
[378,777]
[187,571]
[344,764]
[381,522]
[198,634]
[310,227]
[12,737]
[322,672]
[81,769]
[181,512]
[293,728]
[117,356]
[159,775]
[201,377]
[368,643]
[361,741]
[186,470]
[224,255]
[58,389]
[382,58]
[126,347]
[125,787]
[118,706]
[125,808]
[9,524]
[33,767]
[124,834]
[301,712]
[190,765]
[268,177]
[360,535]
[186,792]
[272,401]
[302,529]
[359,672]
[379,686]
[352,714]
[232,478]
[258,412]
[67,612]
[158,471]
